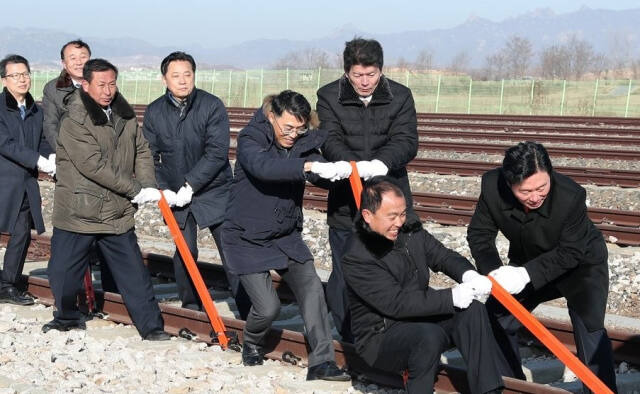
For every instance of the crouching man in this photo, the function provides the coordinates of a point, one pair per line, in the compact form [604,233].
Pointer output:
[100,148]
[398,321]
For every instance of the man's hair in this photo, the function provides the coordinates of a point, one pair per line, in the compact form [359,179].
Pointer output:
[76,43]
[174,56]
[12,59]
[97,65]
[523,160]
[360,51]
[292,102]
[372,192]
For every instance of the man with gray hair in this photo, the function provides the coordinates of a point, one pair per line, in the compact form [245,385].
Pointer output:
[100,148]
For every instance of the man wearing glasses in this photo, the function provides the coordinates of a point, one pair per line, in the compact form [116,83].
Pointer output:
[371,120]
[188,133]
[276,155]
[21,147]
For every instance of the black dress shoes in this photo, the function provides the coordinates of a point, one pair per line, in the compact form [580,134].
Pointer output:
[157,335]
[327,370]
[11,295]
[252,354]
[60,326]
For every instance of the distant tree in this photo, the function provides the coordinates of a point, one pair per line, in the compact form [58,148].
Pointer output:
[309,58]
[496,66]
[571,60]
[518,53]
[582,56]
[460,62]
[555,62]
[620,51]
[403,63]
[424,60]
[512,61]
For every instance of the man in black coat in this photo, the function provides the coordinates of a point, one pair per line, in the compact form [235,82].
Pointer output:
[188,132]
[276,154]
[73,55]
[554,251]
[371,120]
[399,322]
[21,145]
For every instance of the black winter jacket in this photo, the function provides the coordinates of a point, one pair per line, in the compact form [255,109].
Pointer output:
[192,146]
[386,130]
[389,282]
[21,143]
[54,103]
[557,243]
[262,230]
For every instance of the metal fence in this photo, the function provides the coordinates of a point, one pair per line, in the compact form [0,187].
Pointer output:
[432,93]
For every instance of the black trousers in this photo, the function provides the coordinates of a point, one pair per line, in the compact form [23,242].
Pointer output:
[337,297]
[416,346]
[593,347]
[17,247]
[307,288]
[186,290]
[69,261]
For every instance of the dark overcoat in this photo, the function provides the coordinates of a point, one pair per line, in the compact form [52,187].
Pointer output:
[388,282]
[263,226]
[557,243]
[20,144]
[386,130]
[192,145]
[54,103]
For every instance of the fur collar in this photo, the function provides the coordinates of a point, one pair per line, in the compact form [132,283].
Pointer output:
[348,95]
[119,106]
[64,80]
[13,104]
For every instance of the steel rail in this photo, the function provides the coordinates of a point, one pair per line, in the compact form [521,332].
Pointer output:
[283,345]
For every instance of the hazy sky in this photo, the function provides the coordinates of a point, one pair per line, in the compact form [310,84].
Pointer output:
[222,23]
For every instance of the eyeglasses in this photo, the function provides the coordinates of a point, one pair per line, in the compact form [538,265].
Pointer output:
[290,130]
[16,76]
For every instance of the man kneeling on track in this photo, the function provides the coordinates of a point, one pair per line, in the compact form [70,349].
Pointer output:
[276,154]
[401,323]
[100,147]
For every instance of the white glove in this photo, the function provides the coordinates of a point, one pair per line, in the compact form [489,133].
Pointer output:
[170,196]
[343,170]
[331,171]
[47,166]
[513,279]
[369,169]
[184,195]
[462,294]
[146,194]
[52,158]
[481,285]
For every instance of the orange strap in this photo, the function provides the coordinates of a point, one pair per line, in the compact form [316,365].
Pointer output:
[356,183]
[531,323]
[201,288]
[552,343]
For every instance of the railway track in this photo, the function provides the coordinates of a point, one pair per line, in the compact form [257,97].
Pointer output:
[290,346]
[623,226]
[542,129]
[582,175]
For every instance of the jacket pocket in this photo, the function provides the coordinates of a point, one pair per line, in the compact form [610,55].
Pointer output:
[87,205]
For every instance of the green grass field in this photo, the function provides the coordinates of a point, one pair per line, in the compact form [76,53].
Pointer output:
[446,94]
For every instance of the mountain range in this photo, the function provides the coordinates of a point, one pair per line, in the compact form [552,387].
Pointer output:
[612,33]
